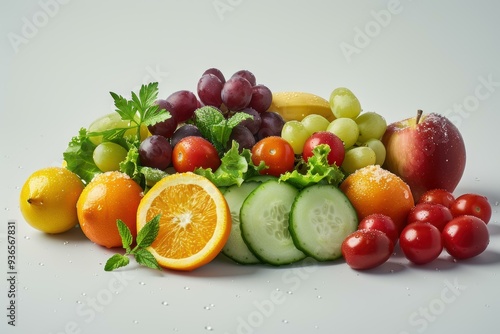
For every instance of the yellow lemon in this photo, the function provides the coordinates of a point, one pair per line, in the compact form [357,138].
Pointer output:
[48,199]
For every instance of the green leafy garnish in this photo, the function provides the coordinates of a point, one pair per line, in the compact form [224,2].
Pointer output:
[235,168]
[317,170]
[215,127]
[144,239]
[141,110]
[78,156]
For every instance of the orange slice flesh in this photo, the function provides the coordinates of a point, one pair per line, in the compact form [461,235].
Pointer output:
[195,220]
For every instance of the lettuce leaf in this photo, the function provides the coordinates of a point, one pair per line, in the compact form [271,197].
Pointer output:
[317,170]
[78,156]
[235,168]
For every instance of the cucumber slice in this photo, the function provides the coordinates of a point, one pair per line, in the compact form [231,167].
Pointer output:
[320,219]
[236,249]
[264,223]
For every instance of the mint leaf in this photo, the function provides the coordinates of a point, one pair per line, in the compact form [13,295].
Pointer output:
[317,170]
[148,233]
[116,261]
[79,156]
[215,127]
[235,168]
[145,258]
[125,234]
[144,239]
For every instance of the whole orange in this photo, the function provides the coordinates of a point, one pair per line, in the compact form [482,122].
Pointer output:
[108,197]
[373,189]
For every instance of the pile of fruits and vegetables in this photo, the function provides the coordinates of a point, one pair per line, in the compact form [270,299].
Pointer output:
[261,177]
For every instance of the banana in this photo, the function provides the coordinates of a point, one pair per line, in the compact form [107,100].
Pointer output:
[297,105]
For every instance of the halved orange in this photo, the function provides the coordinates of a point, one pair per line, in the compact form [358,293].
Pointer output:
[195,220]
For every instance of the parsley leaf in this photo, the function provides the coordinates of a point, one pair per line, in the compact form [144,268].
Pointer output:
[139,111]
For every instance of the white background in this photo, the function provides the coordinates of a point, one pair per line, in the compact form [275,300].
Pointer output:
[60,59]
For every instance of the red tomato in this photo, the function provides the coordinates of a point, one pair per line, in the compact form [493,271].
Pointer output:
[421,242]
[437,196]
[472,204]
[194,152]
[366,249]
[435,214]
[337,150]
[381,222]
[276,153]
[465,237]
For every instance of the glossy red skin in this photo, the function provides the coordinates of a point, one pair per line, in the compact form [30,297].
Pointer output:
[382,223]
[472,204]
[276,153]
[435,214]
[465,237]
[427,155]
[337,150]
[421,242]
[437,196]
[193,152]
[366,249]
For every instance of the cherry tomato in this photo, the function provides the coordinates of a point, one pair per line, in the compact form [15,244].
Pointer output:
[337,150]
[421,242]
[435,214]
[194,152]
[465,237]
[276,153]
[472,204]
[366,249]
[437,196]
[381,222]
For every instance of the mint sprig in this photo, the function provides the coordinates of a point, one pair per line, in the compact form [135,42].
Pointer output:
[144,239]
[217,128]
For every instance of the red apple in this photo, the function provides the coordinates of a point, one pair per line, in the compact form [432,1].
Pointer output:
[426,151]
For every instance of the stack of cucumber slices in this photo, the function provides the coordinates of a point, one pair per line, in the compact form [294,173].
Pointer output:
[276,223]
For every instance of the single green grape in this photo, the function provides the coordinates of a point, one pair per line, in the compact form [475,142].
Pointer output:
[295,134]
[315,123]
[358,157]
[344,103]
[371,126]
[378,147]
[346,129]
[108,155]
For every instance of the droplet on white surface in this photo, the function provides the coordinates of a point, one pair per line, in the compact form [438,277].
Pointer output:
[284,321]
[209,328]
[41,264]
[186,288]
[142,283]
[164,303]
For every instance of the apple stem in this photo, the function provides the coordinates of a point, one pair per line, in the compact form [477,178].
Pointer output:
[419,114]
